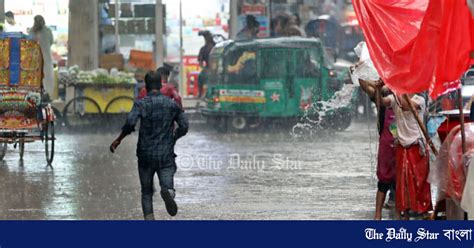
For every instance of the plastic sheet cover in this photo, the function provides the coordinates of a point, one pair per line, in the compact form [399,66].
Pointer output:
[417,45]
[365,69]
[448,174]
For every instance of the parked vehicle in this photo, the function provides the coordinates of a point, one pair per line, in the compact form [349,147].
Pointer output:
[25,117]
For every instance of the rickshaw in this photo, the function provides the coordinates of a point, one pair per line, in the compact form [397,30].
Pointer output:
[276,78]
[24,116]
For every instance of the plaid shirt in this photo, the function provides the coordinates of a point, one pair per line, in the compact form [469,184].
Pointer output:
[157,137]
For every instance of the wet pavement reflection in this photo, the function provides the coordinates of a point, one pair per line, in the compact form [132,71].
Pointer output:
[256,175]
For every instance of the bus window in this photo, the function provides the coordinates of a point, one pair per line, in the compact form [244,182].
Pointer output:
[241,67]
[307,63]
[274,64]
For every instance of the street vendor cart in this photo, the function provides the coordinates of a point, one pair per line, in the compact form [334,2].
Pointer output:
[97,95]
[24,116]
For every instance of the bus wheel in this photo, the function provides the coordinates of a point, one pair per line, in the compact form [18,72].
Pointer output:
[238,123]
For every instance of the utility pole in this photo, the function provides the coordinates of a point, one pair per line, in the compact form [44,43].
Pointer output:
[83,48]
[233,19]
[84,34]
[159,34]
[2,11]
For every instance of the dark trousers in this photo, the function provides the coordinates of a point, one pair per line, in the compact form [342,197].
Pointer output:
[201,81]
[147,170]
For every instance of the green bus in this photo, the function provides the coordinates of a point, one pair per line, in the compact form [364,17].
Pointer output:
[249,82]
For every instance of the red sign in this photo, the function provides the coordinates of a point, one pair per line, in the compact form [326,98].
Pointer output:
[254,9]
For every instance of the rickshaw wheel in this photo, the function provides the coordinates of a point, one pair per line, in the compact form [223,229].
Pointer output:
[49,142]
[72,114]
[120,98]
[21,149]
[3,150]
[238,123]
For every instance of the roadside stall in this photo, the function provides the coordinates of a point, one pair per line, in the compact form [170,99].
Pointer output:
[98,94]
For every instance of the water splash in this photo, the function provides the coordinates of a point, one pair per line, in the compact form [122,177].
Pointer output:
[312,120]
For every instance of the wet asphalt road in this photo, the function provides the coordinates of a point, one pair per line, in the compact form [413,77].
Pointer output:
[258,176]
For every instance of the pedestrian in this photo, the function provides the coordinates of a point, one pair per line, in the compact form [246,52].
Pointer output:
[251,29]
[203,58]
[386,153]
[11,24]
[167,89]
[280,26]
[156,142]
[413,191]
[285,25]
[44,36]
[295,26]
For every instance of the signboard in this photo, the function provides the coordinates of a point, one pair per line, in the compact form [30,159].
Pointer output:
[259,10]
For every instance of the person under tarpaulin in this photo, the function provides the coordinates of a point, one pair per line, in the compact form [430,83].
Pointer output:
[364,74]
[386,153]
[413,192]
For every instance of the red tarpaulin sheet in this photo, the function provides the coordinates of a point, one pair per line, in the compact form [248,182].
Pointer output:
[418,45]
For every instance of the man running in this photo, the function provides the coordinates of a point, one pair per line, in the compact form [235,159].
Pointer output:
[156,141]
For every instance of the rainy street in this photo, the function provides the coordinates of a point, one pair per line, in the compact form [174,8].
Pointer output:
[261,175]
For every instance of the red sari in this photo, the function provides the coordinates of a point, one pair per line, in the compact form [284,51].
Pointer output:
[413,190]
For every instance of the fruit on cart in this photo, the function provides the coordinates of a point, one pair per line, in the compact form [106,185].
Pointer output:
[126,77]
[85,77]
[73,70]
[102,79]
[99,76]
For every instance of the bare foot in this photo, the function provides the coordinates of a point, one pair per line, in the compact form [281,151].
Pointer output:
[378,216]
